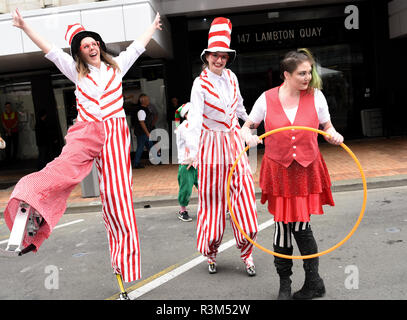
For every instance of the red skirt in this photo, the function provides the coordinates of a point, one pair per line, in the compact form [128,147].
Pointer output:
[296,192]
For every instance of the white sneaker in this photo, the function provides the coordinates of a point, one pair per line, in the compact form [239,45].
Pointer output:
[251,271]
[250,268]
[212,267]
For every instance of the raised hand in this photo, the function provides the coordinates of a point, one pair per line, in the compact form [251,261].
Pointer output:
[147,35]
[157,21]
[18,20]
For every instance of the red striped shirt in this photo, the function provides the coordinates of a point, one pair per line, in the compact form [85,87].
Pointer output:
[211,92]
[214,107]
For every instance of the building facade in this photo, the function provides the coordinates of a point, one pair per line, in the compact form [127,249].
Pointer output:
[358,46]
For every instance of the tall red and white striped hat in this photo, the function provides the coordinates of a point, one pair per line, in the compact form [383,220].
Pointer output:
[219,38]
[74,35]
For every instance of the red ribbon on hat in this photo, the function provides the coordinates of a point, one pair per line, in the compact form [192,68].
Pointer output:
[72,30]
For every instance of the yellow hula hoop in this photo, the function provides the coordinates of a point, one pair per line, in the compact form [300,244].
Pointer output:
[232,214]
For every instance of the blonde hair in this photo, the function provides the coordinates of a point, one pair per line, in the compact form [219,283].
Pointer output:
[82,66]
[291,61]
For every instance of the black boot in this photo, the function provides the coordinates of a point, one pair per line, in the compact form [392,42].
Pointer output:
[284,293]
[313,286]
[283,267]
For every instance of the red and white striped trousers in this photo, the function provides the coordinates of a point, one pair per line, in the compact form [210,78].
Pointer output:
[218,152]
[108,143]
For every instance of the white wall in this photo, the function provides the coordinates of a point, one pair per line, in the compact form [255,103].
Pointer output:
[9,5]
[116,21]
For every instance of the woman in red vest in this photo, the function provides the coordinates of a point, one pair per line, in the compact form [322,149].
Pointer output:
[293,176]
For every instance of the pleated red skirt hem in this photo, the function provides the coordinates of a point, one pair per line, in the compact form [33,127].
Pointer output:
[294,193]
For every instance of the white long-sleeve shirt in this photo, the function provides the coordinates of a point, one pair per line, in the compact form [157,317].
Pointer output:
[99,94]
[180,134]
[259,111]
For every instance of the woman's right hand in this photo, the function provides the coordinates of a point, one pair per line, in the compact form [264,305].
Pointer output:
[18,20]
[157,22]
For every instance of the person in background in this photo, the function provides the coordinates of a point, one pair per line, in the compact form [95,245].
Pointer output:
[293,177]
[144,123]
[9,120]
[187,177]
[174,106]
[174,103]
[145,100]
[177,111]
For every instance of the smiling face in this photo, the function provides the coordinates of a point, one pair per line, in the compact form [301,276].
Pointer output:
[300,78]
[217,61]
[90,51]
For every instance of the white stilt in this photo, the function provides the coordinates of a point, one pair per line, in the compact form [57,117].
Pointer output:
[27,221]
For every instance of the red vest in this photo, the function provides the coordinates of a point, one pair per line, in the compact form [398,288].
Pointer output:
[286,146]
[10,120]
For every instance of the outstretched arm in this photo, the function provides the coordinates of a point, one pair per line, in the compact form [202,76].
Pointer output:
[19,22]
[148,34]
[126,58]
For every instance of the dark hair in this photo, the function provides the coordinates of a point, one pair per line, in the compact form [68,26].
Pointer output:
[205,63]
[291,61]
[141,96]
[8,102]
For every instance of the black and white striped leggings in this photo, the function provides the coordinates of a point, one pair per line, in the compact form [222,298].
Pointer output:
[283,232]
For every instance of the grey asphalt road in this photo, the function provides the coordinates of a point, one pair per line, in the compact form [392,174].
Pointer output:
[74,262]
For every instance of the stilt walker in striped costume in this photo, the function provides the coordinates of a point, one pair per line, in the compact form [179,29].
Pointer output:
[214,141]
[100,135]
[293,177]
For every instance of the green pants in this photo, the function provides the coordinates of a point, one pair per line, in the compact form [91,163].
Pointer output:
[186,180]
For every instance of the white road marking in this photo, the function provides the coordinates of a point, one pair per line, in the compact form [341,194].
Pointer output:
[68,223]
[57,227]
[185,267]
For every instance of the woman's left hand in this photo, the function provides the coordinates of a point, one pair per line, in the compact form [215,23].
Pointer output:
[334,136]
